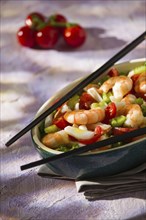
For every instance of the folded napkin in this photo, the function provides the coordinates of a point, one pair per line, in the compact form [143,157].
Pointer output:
[99,188]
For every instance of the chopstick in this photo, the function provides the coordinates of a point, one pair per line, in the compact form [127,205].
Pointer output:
[80,86]
[83,149]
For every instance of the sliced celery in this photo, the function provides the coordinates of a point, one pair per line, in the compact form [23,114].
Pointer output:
[67,147]
[72,102]
[139,101]
[143,108]
[106,96]
[102,80]
[51,129]
[140,69]
[118,121]
[98,104]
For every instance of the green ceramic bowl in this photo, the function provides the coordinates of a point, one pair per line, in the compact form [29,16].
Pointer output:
[103,163]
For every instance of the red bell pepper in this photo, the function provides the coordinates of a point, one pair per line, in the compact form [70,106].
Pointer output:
[113,72]
[98,133]
[60,122]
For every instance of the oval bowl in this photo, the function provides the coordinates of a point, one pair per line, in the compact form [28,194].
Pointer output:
[97,164]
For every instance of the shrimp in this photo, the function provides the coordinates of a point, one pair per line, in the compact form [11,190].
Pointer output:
[140,84]
[120,86]
[129,99]
[83,117]
[53,140]
[134,115]
[120,106]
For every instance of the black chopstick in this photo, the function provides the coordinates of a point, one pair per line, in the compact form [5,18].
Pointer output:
[80,86]
[109,141]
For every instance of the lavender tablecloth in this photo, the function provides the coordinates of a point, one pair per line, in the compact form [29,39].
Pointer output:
[29,77]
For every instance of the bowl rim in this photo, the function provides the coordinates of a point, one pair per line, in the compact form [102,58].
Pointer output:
[35,130]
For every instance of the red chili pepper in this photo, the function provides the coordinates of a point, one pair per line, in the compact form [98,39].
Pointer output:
[90,141]
[119,130]
[113,72]
[98,130]
[60,122]
[110,112]
[85,101]
[135,77]
[98,133]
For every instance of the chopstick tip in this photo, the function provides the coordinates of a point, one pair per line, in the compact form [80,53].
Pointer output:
[7,144]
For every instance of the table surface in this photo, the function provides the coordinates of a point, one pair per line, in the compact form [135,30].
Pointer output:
[29,77]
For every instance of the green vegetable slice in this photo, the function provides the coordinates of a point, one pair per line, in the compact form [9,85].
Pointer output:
[67,147]
[140,69]
[106,96]
[143,108]
[139,101]
[72,101]
[51,129]
[118,121]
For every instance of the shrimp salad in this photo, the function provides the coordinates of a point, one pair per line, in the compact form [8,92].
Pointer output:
[111,106]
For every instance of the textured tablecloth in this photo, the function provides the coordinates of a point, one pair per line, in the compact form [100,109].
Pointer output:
[29,77]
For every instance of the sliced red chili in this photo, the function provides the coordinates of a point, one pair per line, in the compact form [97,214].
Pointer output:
[60,122]
[98,133]
[89,141]
[110,112]
[113,72]
[98,130]
[135,77]
[85,101]
[120,130]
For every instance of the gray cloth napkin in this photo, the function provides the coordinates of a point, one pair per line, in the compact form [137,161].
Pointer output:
[99,188]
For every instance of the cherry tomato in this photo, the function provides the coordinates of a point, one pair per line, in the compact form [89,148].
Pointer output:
[74,36]
[34,19]
[85,101]
[110,112]
[98,133]
[26,36]
[113,72]
[60,122]
[120,130]
[47,37]
[58,18]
